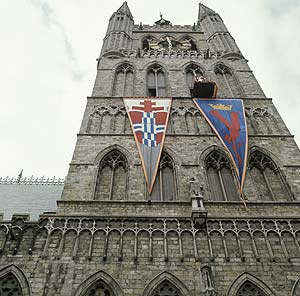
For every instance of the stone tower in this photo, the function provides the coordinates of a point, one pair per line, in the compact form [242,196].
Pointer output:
[192,235]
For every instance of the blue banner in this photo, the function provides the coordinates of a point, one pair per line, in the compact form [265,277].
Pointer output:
[227,119]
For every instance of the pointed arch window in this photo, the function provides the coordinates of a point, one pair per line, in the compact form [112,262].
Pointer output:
[9,286]
[220,177]
[164,188]
[249,289]
[166,289]
[156,83]
[190,72]
[269,182]
[112,178]
[123,83]
[228,84]
[100,288]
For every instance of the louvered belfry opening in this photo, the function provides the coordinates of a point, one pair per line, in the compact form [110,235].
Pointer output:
[123,82]
[220,177]
[112,177]
[267,178]
[192,71]
[164,188]
[156,83]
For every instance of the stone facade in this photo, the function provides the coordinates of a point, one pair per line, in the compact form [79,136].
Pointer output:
[110,237]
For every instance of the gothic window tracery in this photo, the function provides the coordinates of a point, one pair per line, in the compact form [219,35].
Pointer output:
[164,188]
[192,71]
[220,177]
[166,289]
[228,85]
[267,178]
[156,83]
[249,289]
[9,286]
[262,120]
[112,177]
[123,83]
[99,289]
[107,119]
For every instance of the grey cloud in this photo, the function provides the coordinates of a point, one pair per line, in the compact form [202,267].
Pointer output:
[280,7]
[50,19]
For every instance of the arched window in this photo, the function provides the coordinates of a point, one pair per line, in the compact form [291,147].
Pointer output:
[112,177]
[123,83]
[267,178]
[220,178]
[156,83]
[192,71]
[249,289]
[164,188]
[99,289]
[9,286]
[228,86]
[166,289]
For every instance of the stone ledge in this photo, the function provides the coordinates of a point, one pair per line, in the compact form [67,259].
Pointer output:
[175,209]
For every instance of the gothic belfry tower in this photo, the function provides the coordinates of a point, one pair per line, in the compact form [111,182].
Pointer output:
[192,235]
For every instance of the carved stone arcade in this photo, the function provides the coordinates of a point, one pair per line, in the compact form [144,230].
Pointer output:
[223,238]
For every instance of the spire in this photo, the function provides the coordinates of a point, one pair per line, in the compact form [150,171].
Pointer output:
[125,10]
[203,11]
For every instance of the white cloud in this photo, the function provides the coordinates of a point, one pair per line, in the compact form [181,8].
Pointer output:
[48,66]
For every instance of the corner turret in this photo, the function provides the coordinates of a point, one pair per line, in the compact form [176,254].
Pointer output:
[119,31]
[217,35]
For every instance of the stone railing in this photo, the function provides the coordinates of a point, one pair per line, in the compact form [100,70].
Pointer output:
[169,27]
[157,53]
[31,181]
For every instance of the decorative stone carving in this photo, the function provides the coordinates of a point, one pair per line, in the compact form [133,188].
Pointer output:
[261,239]
[166,289]
[99,289]
[96,124]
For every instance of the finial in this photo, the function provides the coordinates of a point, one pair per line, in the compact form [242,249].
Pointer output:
[20,176]
[161,15]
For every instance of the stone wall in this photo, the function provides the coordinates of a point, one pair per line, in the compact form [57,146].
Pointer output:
[59,253]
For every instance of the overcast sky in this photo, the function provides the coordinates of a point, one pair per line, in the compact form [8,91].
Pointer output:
[48,65]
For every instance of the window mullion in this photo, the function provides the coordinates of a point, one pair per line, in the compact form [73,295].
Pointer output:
[227,83]
[268,184]
[156,83]
[124,83]
[222,185]
[161,185]
[112,183]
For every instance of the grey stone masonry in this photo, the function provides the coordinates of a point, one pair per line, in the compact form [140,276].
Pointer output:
[192,235]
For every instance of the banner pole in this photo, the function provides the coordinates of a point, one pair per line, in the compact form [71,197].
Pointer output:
[243,198]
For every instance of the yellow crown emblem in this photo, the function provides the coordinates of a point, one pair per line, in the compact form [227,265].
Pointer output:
[221,107]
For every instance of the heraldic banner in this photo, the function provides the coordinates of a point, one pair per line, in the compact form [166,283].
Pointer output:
[149,119]
[227,119]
